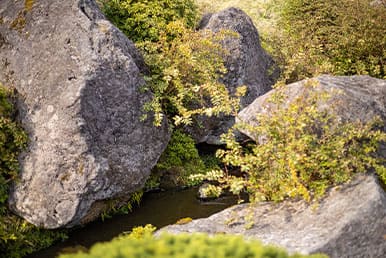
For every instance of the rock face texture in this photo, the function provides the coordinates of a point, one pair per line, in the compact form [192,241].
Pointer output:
[353,98]
[248,64]
[349,222]
[79,81]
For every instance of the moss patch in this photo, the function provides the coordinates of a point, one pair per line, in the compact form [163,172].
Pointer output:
[28,4]
[19,22]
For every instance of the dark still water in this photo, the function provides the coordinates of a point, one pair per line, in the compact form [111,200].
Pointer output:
[158,209]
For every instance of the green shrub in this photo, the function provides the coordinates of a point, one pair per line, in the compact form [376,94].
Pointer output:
[301,150]
[17,237]
[180,159]
[341,37]
[143,20]
[143,244]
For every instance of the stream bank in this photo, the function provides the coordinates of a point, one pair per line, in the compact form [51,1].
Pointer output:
[159,209]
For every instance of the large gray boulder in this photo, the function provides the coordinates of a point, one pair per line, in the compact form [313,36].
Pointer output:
[80,101]
[248,64]
[350,222]
[353,98]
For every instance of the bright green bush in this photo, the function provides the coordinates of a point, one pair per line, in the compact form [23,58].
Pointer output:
[301,150]
[17,237]
[342,37]
[143,245]
[180,159]
[143,20]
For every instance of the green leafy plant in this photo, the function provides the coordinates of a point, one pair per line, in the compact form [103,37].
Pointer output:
[179,160]
[121,206]
[144,20]
[139,232]
[300,150]
[141,243]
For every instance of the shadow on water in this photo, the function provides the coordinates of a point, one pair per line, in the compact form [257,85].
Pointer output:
[159,209]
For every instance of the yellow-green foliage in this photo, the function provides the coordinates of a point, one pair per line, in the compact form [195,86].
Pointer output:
[143,20]
[20,21]
[301,150]
[144,245]
[256,9]
[185,65]
[140,232]
[342,37]
[17,237]
[185,69]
